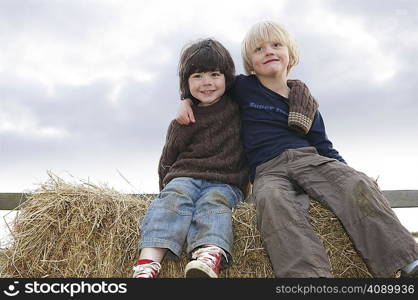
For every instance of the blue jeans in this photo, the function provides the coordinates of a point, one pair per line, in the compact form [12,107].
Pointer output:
[190,210]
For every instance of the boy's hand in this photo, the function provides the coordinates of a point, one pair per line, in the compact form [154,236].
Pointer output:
[185,113]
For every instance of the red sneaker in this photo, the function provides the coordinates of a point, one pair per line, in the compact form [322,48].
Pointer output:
[146,268]
[206,263]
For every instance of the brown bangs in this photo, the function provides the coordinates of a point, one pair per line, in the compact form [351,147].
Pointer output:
[205,56]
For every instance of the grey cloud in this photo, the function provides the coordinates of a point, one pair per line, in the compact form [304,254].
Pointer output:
[353,102]
[137,122]
[71,19]
[374,9]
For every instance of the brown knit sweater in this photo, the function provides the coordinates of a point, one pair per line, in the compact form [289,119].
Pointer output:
[302,106]
[209,149]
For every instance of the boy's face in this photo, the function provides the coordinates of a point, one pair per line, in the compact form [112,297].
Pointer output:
[270,59]
[208,87]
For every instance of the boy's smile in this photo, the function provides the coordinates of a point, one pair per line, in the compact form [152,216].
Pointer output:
[270,60]
[208,87]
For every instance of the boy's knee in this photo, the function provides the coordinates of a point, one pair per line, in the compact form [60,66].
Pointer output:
[215,202]
[366,196]
[268,200]
[268,194]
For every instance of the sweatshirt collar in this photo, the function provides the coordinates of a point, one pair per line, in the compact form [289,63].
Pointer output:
[216,107]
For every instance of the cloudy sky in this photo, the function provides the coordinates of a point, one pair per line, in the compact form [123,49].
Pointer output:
[88,87]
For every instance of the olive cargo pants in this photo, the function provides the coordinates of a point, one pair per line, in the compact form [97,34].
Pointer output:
[282,189]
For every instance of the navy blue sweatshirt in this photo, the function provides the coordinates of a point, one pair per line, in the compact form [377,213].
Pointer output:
[264,128]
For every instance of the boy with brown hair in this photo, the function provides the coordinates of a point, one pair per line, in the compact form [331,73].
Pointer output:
[203,172]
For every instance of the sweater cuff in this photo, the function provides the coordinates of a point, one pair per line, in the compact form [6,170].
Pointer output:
[302,106]
[299,122]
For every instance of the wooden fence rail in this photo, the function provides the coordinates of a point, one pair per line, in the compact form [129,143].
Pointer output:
[396,198]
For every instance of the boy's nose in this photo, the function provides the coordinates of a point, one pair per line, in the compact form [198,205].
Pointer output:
[207,80]
[269,51]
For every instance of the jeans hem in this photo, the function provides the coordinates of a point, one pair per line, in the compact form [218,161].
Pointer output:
[211,241]
[161,243]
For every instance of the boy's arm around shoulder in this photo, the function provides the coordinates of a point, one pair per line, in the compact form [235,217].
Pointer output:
[174,144]
[185,114]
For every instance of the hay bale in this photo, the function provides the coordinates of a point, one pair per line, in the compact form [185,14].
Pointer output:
[84,230]
[67,230]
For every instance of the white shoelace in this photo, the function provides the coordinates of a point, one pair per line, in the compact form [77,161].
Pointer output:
[146,270]
[205,254]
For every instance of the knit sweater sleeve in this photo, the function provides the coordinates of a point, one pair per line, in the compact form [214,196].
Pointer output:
[173,146]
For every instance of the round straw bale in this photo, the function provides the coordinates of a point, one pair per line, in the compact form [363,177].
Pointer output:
[85,230]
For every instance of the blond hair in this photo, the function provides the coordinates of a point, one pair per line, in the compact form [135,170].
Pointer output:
[267,31]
